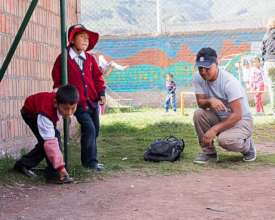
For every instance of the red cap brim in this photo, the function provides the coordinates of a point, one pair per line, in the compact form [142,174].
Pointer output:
[93,36]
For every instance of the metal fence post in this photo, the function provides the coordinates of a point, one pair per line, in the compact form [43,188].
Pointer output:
[64,74]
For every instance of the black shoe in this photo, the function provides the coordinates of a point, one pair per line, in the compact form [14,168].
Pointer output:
[65,180]
[24,170]
[99,167]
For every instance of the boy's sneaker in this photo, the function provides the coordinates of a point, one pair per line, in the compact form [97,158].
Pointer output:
[250,155]
[66,180]
[57,180]
[98,167]
[204,158]
[24,170]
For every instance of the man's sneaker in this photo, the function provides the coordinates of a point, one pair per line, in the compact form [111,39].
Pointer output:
[204,158]
[250,155]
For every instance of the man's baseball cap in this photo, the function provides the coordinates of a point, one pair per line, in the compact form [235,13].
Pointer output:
[77,28]
[206,57]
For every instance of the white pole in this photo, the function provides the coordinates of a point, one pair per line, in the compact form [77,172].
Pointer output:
[158,17]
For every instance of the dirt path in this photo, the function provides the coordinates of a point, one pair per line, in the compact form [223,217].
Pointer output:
[215,194]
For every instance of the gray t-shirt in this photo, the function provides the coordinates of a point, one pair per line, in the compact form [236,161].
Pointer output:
[225,88]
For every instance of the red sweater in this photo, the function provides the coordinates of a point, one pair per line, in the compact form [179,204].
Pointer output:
[92,79]
[41,103]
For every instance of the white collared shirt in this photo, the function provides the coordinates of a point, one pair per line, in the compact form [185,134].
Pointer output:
[46,127]
[75,56]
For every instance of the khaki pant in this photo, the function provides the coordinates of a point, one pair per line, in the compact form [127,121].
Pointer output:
[237,138]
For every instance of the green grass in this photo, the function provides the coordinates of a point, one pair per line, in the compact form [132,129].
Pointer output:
[125,136]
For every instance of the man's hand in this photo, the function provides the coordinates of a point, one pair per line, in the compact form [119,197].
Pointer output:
[209,136]
[217,105]
[102,100]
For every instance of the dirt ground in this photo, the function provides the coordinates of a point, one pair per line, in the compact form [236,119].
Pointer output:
[214,194]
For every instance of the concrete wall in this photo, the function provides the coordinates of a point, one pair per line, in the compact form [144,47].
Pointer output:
[150,58]
[30,69]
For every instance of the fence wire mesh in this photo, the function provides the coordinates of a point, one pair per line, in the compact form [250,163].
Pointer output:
[130,17]
[156,37]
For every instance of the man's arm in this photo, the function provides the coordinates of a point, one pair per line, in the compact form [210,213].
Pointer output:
[204,102]
[234,117]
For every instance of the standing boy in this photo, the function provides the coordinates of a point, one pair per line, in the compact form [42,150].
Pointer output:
[171,93]
[41,112]
[85,75]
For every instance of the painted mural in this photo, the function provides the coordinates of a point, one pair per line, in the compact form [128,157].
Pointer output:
[150,58]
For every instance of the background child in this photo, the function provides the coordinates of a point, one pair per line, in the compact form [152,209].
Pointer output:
[41,112]
[257,84]
[85,75]
[171,93]
[106,68]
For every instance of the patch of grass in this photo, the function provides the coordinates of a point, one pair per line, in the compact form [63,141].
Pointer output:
[125,136]
[8,175]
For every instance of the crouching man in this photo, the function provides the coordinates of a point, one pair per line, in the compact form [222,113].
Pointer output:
[223,110]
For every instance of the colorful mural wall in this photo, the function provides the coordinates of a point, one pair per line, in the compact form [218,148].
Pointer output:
[150,58]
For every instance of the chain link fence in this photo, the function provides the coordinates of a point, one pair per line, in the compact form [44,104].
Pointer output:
[156,37]
[131,17]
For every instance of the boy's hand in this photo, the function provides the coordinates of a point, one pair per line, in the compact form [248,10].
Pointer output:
[102,100]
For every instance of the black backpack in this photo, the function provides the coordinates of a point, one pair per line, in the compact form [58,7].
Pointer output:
[167,149]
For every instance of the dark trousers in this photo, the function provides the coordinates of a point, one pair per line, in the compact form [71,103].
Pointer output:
[89,125]
[37,154]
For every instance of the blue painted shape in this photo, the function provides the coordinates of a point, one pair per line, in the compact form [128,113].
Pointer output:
[149,77]
[123,48]
[146,77]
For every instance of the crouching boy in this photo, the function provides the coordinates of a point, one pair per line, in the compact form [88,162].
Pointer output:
[41,113]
